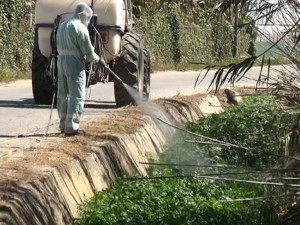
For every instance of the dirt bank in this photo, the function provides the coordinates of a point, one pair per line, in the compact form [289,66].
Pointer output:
[44,179]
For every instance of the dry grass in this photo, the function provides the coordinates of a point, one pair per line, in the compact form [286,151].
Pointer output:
[55,152]
[124,121]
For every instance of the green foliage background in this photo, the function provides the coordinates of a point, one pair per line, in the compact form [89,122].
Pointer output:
[173,37]
[16,34]
[175,33]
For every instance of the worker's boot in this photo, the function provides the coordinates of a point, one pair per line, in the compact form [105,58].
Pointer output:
[76,133]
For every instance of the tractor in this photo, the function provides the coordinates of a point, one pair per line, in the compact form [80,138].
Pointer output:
[111,33]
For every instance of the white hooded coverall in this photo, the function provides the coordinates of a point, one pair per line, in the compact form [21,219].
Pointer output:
[74,48]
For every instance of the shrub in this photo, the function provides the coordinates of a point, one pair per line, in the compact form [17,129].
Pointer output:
[174,195]
[172,201]
[16,34]
[258,123]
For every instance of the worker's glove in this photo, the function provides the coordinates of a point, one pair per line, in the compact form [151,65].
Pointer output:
[104,77]
[102,62]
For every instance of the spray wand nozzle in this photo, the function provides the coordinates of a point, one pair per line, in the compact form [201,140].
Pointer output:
[102,61]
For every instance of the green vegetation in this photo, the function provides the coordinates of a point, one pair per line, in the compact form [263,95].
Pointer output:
[16,38]
[257,127]
[7,75]
[174,202]
[185,40]
[258,124]
[175,191]
[183,30]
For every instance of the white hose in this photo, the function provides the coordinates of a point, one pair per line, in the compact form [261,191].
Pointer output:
[50,117]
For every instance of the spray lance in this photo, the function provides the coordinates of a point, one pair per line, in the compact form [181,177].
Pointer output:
[131,91]
[101,60]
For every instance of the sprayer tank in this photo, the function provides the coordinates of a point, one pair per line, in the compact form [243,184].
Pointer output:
[110,21]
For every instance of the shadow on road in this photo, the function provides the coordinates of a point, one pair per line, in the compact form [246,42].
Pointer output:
[23,103]
[32,135]
[29,103]
[100,104]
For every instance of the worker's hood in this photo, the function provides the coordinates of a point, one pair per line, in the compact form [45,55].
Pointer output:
[84,12]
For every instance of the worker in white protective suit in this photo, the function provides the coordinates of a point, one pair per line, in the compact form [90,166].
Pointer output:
[74,48]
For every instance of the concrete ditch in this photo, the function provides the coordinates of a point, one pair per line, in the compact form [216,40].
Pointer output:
[44,180]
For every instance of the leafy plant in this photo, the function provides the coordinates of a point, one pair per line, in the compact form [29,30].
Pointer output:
[16,34]
[258,125]
[172,201]
[205,191]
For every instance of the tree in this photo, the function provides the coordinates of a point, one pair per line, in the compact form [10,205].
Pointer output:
[284,13]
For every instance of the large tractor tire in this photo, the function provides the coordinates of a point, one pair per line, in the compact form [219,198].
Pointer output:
[43,86]
[147,75]
[130,68]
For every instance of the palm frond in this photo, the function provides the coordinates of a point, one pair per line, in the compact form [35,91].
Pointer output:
[285,14]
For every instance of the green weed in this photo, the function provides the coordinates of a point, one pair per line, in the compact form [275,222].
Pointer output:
[174,195]
[7,75]
[171,201]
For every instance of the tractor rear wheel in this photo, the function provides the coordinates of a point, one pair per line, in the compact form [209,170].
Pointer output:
[43,87]
[130,68]
[147,75]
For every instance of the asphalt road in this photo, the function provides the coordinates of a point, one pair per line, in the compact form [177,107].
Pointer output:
[20,115]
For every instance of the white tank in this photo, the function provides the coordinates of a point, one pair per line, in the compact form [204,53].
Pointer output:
[110,21]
